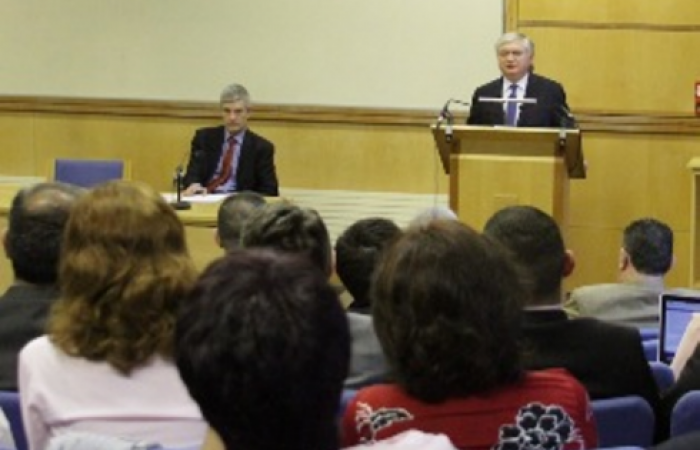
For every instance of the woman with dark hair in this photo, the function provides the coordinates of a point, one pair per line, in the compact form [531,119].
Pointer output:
[106,364]
[446,307]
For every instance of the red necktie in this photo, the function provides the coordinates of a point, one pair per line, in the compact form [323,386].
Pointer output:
[225,167]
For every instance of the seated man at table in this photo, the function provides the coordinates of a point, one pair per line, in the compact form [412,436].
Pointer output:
[230,157]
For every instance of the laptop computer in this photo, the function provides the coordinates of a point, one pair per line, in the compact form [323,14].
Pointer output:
[675,314]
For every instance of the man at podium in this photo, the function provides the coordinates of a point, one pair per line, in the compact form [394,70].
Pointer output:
[520,97]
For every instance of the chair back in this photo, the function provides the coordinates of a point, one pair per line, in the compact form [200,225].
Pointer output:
[685,417]
[9,402]
[651,349]
[624,421]
[648,334]
[345,398]
[89,172]
[663,374]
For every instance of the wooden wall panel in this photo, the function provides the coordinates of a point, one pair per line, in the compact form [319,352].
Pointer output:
[611,12]
[623,60]
[620,70]
[365,158]
[17,144]
[330,156]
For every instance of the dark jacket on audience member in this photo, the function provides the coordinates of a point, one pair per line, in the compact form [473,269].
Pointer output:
[23,312]
[608,359]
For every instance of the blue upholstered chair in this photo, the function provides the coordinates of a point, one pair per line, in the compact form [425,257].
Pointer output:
[648,334]
[9,402]
[624,421]
[685,417]
[346,397]
[89,172]
[662,374]
[651,349]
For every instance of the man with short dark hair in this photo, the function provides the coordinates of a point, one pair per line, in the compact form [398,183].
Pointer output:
[32,242]
[264,353]
[291,229]
[234,211]
[645,258]
[608,359]
[357,251]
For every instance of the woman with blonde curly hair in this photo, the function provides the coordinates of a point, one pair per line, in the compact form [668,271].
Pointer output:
[106,364]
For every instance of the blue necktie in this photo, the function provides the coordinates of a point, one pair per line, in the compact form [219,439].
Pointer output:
[512,107]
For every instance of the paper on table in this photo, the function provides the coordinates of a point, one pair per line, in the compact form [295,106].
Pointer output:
[208,198]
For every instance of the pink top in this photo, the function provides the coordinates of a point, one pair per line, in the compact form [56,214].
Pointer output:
[60,393]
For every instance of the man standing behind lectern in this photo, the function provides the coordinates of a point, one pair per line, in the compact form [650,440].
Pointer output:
[515,53]
[230,157]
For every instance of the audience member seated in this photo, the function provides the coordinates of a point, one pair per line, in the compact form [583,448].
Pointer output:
[289,228]
[447,309]
[234,211]
[607,358]
[105,366]
[32,243]
[645,258]
[265,353]
[357,251]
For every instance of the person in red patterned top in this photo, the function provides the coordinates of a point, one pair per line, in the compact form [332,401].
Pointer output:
[447,308]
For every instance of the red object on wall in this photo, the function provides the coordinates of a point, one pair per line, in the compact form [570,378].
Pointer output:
[697,98]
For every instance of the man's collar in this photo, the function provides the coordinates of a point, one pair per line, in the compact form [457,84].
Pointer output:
[239,135]
[522,83]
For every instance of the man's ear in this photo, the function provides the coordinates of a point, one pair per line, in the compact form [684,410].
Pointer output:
[5,243]
[569,263]
[217,238]
[624,260]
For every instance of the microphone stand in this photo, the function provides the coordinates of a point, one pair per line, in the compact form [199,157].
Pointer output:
[179,204]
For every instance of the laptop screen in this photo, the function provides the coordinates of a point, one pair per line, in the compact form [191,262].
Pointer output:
[676,312]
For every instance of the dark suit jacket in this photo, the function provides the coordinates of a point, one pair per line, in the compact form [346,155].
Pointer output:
[608,359]
[547,112]
[256,164]
[23,312]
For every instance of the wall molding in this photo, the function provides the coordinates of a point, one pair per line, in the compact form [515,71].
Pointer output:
[599,121]
[617,26]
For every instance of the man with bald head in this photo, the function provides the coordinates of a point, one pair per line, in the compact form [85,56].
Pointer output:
[32,243]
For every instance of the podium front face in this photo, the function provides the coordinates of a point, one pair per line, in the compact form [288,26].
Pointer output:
[491,168]
[480,185]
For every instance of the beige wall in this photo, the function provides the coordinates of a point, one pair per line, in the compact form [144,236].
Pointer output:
[399,53]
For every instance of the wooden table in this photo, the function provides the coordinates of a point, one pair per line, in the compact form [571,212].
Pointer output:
[200,224]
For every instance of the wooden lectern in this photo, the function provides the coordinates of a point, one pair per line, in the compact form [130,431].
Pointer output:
[494,167]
